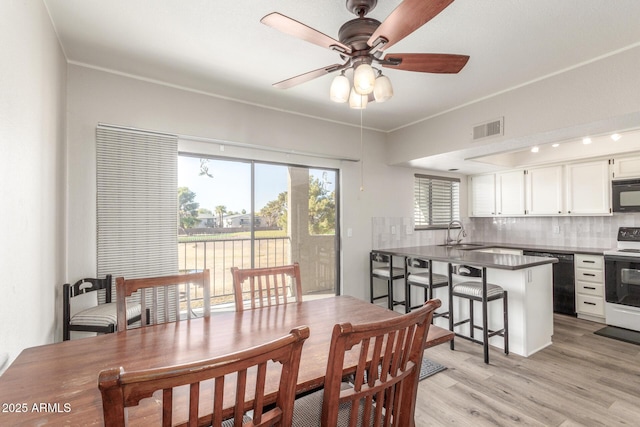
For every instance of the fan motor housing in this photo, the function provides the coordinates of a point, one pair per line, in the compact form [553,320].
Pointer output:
[361,6]
[356,33]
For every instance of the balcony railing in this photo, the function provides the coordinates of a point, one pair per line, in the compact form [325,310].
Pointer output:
[219,255]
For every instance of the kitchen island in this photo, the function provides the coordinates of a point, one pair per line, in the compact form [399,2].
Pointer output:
[527,279]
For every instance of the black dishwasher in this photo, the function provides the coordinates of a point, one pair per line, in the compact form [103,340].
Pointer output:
[564,287]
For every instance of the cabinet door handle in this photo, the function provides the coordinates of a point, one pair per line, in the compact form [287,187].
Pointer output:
[589,274]
[590,303]
[588,262]
[589,287]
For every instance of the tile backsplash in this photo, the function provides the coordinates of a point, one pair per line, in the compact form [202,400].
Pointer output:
[394,232]
[588,232]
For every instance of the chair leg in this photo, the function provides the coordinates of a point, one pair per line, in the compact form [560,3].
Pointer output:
[472,326]
[390,285]
[371,278]
[485,316]
[450,289]
[407,288]
[506,323]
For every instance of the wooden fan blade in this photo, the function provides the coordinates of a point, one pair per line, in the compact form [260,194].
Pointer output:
[298,29]
[302,78]
[406,18]
[426,62]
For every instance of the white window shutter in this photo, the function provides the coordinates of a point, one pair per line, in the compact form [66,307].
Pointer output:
[436,201]
[137,203]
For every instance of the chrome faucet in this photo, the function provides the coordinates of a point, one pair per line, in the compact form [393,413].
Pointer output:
[461,232]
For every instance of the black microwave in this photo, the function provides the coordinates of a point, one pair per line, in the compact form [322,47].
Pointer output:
[625,195]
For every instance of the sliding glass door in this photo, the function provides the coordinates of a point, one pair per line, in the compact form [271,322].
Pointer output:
[253,214]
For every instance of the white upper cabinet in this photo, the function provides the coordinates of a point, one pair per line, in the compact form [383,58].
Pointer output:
[626,167]
[544,191]
[588,188]
[510,193]
[571,189]
[483,195]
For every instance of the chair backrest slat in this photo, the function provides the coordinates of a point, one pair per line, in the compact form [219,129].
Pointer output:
[264,287]
[121,389]
[389,356]
[160,295]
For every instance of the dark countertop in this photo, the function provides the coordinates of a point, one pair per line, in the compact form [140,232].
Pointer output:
[468,256]
[542,248]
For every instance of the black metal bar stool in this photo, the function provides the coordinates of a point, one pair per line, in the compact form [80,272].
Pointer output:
[419,272]
[381,267]
[478,291]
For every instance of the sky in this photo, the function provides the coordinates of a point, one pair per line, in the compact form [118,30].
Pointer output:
[231,182]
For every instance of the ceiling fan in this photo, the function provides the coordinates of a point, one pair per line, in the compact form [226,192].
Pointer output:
[363,41]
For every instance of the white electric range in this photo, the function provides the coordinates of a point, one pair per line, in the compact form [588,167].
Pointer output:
[622,280]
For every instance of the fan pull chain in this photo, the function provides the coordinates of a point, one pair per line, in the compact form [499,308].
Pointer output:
[361,153]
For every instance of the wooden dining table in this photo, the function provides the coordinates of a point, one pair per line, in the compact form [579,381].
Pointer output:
[57,384]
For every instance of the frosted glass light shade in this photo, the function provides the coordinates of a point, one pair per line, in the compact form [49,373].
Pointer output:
[364,79]
[382,90]
[357,101]
[340,88]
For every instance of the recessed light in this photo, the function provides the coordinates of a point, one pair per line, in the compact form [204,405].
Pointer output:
[616,136]
[586,141]
[556,145]
[534,149]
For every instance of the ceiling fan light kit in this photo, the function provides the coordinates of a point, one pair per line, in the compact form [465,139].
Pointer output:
[358,101]
[340,89]
[382,90]
[363,79]
[361,44]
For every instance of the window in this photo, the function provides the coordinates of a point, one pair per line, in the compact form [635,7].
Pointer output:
[264,215]
[436,201]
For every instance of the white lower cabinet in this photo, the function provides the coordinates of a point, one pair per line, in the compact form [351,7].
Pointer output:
[589,271]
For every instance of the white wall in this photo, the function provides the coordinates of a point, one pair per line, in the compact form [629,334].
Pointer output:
[32,173]
[99,97]
[595,98]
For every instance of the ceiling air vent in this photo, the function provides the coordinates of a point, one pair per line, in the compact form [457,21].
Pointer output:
[486,130]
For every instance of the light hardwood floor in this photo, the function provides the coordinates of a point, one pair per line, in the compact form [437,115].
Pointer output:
[582,379]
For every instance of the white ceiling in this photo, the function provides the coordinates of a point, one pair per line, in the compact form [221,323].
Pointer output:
[220,47]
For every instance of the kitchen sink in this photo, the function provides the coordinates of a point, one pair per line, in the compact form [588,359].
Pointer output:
[462,245]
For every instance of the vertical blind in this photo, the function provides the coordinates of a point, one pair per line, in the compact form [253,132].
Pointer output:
[436,200]
[137,203]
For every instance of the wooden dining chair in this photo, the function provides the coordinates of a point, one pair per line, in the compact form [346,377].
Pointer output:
[384,385]
[163,298]
[260,287]
[243,371]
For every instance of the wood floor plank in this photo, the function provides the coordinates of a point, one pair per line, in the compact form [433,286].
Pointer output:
[582,379]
